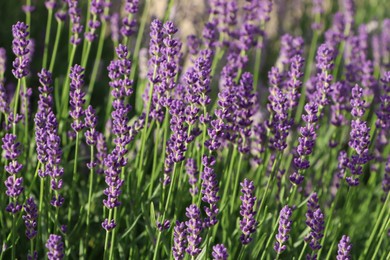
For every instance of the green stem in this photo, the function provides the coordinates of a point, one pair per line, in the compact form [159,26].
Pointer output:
[16,103]
[235,187]
[376,226]
[55,48]
[89,198]
[382,235]
[303,251]
[165,209]
[107,236]
[47,37]
[74,178]
[65,90]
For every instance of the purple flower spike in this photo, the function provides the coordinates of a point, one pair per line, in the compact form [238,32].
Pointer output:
[192,171]
[344,251]
[194,227]
[55,247]
[210,190]
[359,138]
[248,222]
[13,184]
[90,123]
[324,63]
[179,240]
[315,220]
[77,99]
[30,218]
[220,252]
[75,18]
[283,230]
[20,48]
[129,24]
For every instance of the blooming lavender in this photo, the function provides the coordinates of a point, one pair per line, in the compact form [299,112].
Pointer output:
[30,218]
[129,24]
[294,83]
[324,65]
[278,107]
[77,99]
[119,71]
[179,240]
[248,222]
[20,48]
[194,227]
[55,247]
[75,18]
[220,252]
[359,137]
[283,230]
[14,185]
[209,191]
[315,221]
[96,9]
[306,142]
[344,248]
[192,171]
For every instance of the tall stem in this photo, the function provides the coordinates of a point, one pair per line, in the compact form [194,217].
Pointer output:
[56,43]
[89,197]
[75,177]
[47,37]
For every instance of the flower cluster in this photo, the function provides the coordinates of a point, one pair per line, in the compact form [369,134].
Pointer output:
[209,191]
[55,247]
[20,49]
[315,221]
[14,185]
[344,248]
[75,18]
[194,227]
[179,240]
[77,99]
[284,229]
[94,23]
[248,222]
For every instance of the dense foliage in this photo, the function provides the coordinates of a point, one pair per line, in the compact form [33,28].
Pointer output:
[122,137]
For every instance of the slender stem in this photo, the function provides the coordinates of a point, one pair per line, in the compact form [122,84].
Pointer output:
[16,103]
[382,235]
[56,43]
[303,251]
[107,236]
[26,135]
[165,209]
[113,236]
[47,37]
[91,175]
[98,53]
[235,186]
[376,226]
[13,236]
[75,177]
[65,91]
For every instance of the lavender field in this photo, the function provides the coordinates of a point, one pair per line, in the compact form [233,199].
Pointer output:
[193,129]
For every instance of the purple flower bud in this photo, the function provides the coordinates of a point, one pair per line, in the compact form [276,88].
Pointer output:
[30,218]
[344,251]
[75,18]
[315,221]
[77,99]
[194,227]
[20,48]
[248,222]
[179,240]
[55,247]
[220,252]
[283,230]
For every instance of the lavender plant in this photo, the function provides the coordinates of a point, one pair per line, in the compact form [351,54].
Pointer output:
[223,129]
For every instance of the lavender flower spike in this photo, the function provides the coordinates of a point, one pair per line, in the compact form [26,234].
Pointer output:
[77,97]
[315,220]
[345,246]
[283,230]
[55,247]
[20,48]
[248,222]
[30,218]
[220,252]
[179,240]
[194,227]
[14,185]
